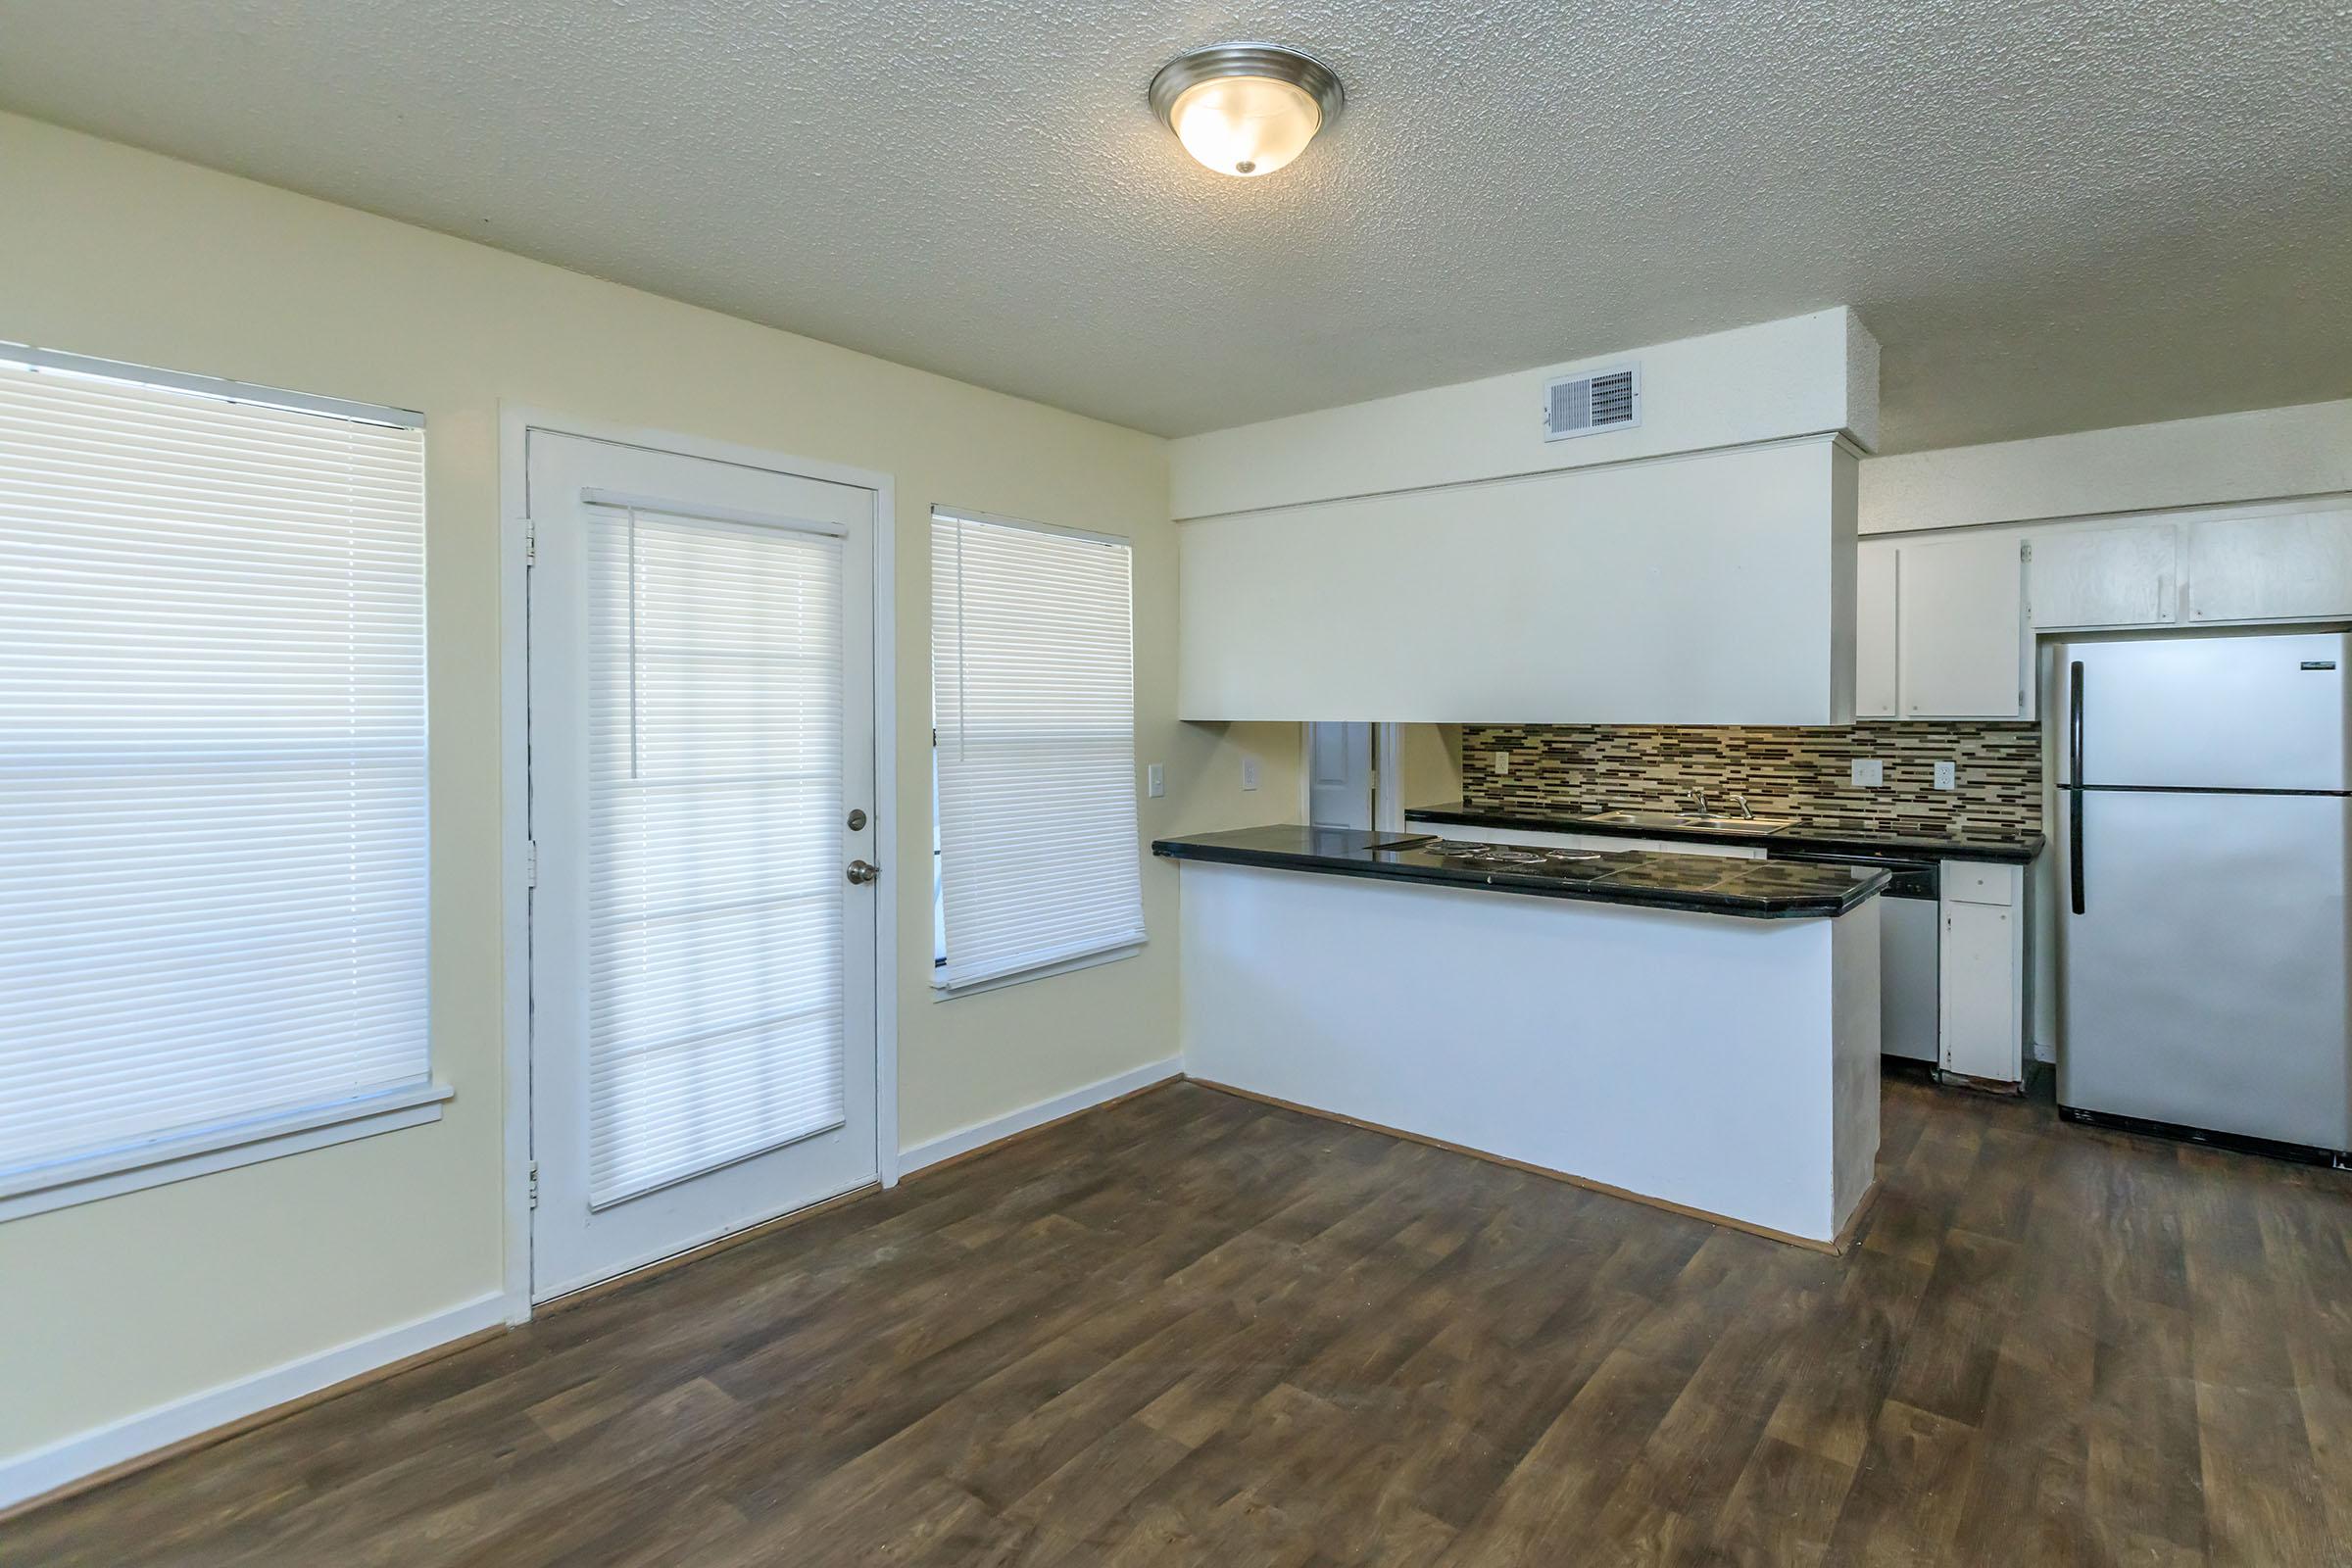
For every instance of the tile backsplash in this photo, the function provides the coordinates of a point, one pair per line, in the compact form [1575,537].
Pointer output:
[1801,772]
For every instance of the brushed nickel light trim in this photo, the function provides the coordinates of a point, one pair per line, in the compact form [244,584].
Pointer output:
[1268,61]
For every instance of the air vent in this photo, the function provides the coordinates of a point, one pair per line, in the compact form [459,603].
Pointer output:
[1587,405]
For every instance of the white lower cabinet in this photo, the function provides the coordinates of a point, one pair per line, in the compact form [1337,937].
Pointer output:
[1982,970]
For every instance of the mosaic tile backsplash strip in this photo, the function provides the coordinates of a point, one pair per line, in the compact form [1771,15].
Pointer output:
[1806,773]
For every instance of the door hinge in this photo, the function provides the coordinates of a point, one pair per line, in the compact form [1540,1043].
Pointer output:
[534,1184]
[530,863]
[530,543]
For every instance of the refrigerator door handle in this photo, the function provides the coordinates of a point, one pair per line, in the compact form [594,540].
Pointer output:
[2074,784]
[2074,846]
[2073,723]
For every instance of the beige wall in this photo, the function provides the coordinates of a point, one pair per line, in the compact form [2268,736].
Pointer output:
[116,1306]
[1432,757]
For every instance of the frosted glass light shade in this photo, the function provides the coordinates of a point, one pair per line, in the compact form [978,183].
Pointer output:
[1245,126]
[1245,108]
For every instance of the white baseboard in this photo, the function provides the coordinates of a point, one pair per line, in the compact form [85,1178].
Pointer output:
[965,1140]
[30,1475]
[41,1470]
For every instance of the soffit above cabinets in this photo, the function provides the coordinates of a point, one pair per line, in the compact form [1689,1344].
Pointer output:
[1806,375]
[1705,590]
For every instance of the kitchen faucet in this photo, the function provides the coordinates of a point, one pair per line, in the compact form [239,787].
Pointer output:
[1699,797]
[1740,800]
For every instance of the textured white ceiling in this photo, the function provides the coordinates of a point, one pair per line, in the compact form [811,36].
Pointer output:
[2055,216]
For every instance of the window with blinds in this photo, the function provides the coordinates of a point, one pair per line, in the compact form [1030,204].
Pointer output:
[212,768]
[715,917]
[1033,703]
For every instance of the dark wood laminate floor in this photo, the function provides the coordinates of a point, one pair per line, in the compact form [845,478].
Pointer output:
[1193,1329]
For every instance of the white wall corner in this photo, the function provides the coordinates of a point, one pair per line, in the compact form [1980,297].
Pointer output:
[1861,383]
[1845,478]
[980,1134]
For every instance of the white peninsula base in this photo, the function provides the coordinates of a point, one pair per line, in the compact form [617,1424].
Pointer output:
[1721,1066]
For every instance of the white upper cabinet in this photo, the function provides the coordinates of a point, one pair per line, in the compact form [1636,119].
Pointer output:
[1960,629]
[2085,578]
[2288,566]
[1875,688]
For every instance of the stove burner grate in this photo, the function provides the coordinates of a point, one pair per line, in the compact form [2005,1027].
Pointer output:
[1509,855]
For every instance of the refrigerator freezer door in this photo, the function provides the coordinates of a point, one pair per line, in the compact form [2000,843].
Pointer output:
[2204,982]
[2207,713]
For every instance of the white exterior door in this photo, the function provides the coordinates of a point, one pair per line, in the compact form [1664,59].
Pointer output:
[703,970]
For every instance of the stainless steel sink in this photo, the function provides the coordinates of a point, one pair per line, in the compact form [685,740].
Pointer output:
[1657,819]
[1682,821]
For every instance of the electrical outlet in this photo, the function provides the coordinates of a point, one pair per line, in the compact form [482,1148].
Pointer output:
[1500,761]
[1248,773]
[1870,772]
[1155,781]
[1947,775]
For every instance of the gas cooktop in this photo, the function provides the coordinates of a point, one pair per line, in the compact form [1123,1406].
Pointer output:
[1518,857]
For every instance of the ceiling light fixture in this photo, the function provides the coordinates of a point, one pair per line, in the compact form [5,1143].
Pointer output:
[1246,108]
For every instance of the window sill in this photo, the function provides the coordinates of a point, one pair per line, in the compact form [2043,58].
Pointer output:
[153,1164]
[940,993]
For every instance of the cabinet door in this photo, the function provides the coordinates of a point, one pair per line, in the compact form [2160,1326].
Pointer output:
[2292,567]
[2105,577]
[1979,993]
[1960,632]
[1874,690]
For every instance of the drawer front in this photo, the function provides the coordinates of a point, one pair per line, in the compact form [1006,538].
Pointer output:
[1966,882]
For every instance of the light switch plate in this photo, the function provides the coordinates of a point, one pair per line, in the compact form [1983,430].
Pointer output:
[1870,772]
[1947,775]
[1248,773]
[1155,781]
[1501,760]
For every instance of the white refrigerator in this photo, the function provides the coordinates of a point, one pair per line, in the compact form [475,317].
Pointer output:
[2204,796]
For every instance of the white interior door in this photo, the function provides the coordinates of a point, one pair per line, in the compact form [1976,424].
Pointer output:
[1339,777]
[703,970]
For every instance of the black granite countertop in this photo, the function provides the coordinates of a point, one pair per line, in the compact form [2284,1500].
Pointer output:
[2013,848]
[1705,884]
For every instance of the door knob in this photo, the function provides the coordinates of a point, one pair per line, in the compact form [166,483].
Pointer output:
[862,871]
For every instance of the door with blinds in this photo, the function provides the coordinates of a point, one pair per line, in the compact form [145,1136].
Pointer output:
[704,921]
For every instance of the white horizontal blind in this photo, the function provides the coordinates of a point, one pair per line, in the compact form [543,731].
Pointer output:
[1033,694]
[211,766]
[716,915]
